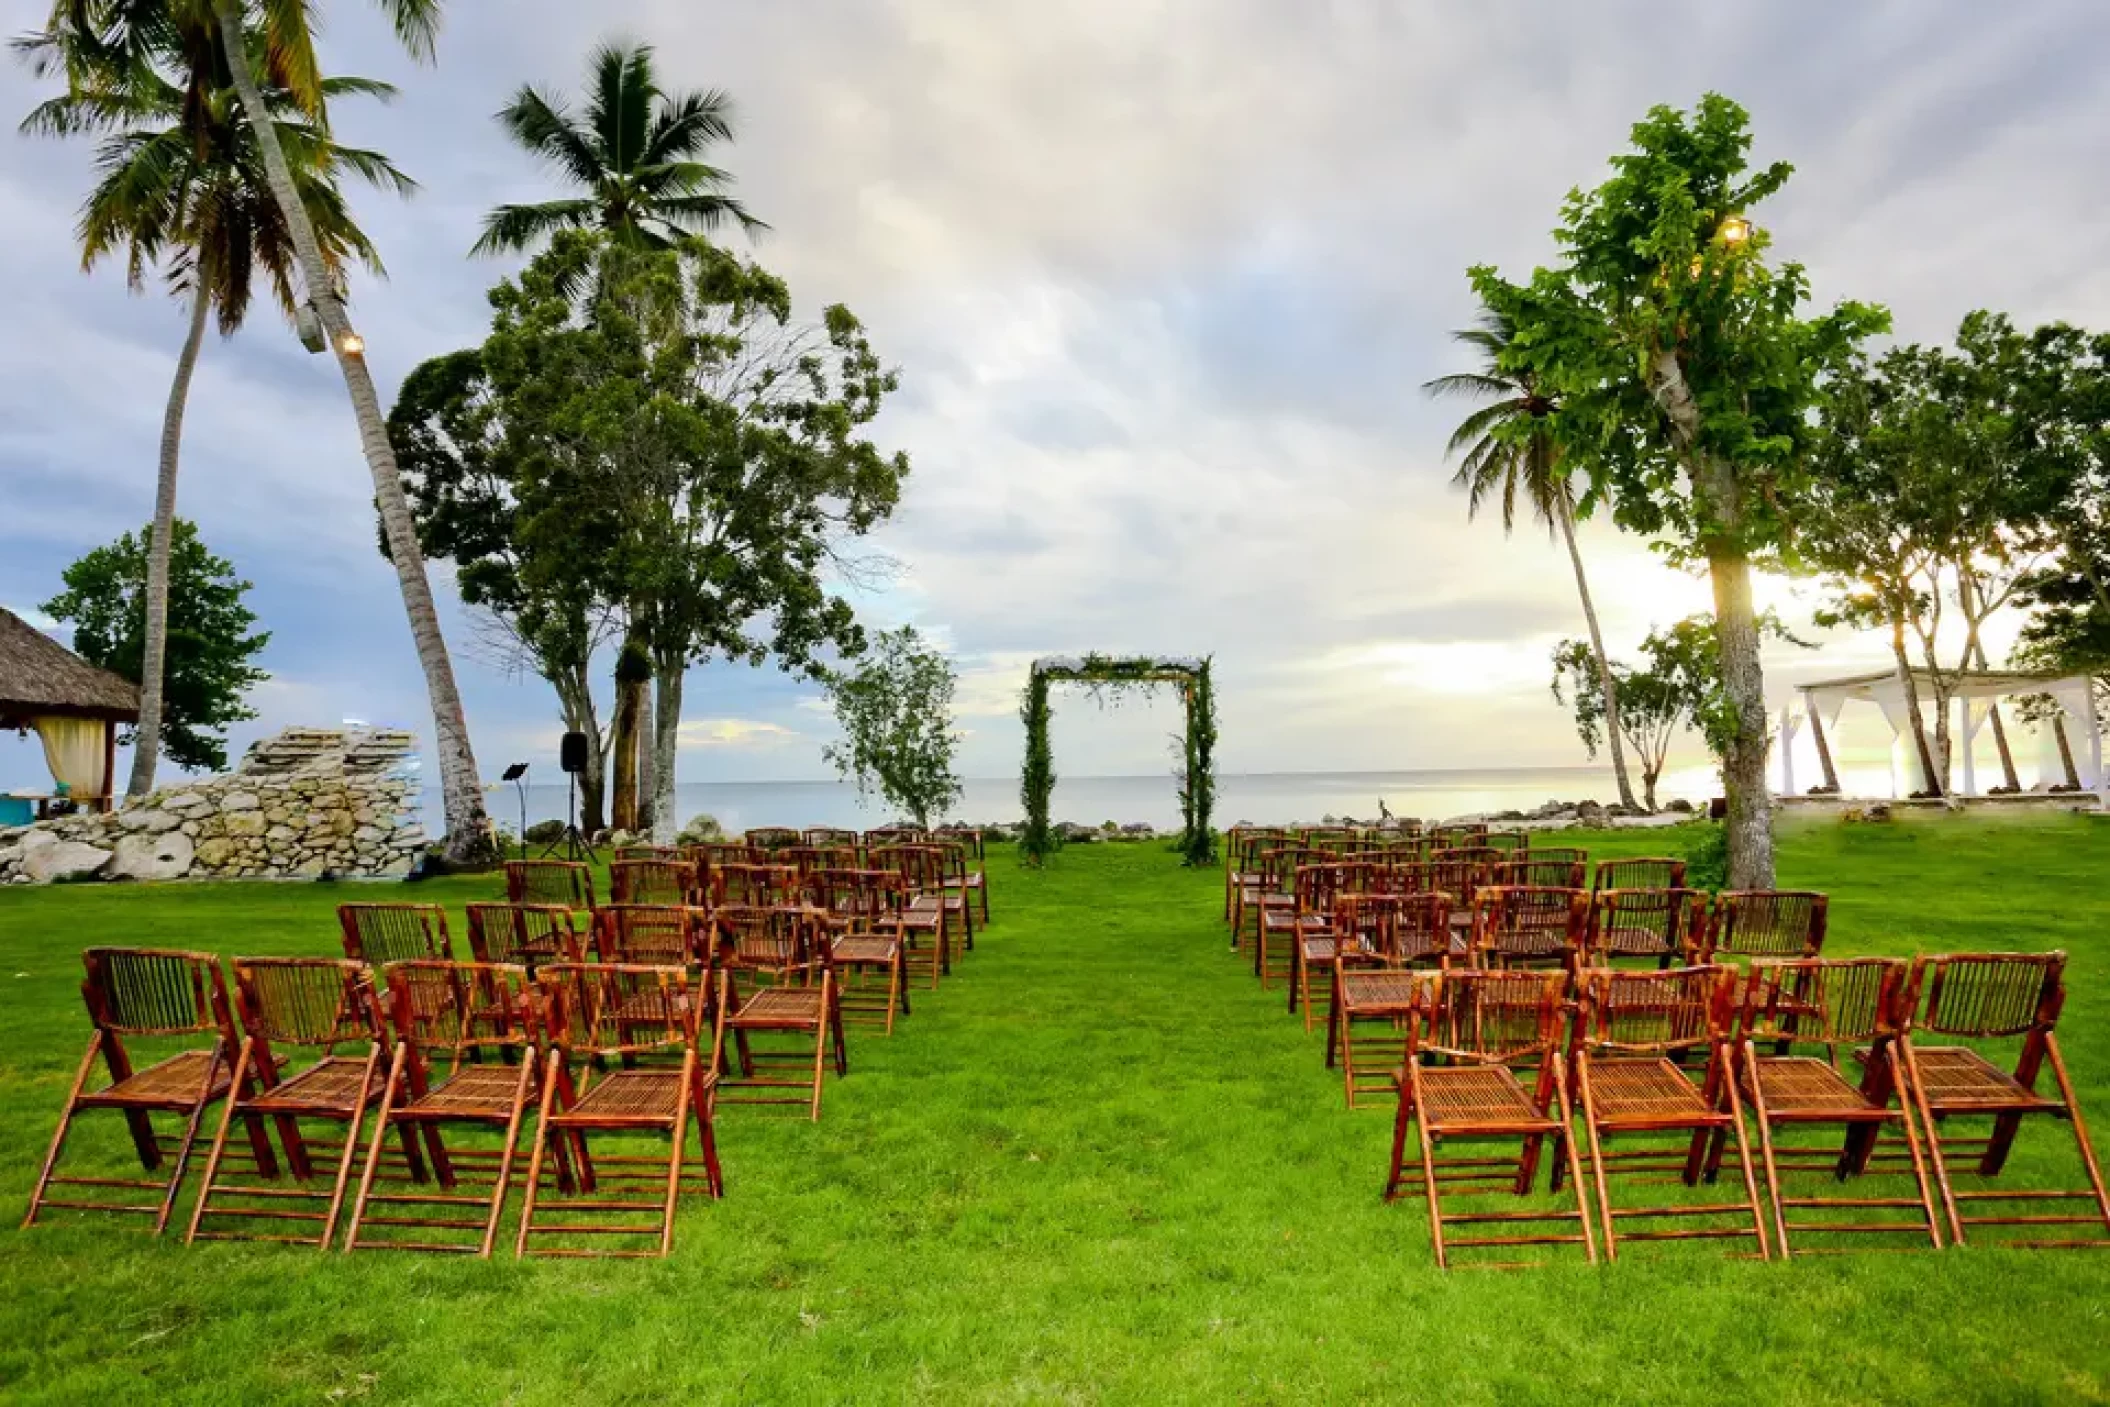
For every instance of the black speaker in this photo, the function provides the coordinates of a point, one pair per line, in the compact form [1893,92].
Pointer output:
[571,753]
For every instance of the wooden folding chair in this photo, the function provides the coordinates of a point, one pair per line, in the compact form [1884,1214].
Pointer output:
[1995,998]
[645,1020]
[967,882]
[652,935]
[1379,936]
[805,859]
[1767,923]
[1663,926]
[654,881]
[379,934]
[1640,872]
[860,920]
[314,1005]
[1456,836]
[810,1009]
[757,885]
[831,835]
[1484,1027]
[768,838]
[150,996]
[1563,854]
[926,919]
[445,1018]
[564,882]
[1311,937]
[1539,872]
[769,944]
[1274,909]
[1242,873]
[969,837]
[645,852]
[1528,926]
[526,935]
[1632,1031]
[1827,1006]
[1514,844]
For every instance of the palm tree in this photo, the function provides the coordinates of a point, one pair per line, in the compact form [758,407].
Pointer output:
[634,155]
[1510,453]
[180,183]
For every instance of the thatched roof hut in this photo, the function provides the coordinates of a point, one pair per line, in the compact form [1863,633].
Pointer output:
[74,706]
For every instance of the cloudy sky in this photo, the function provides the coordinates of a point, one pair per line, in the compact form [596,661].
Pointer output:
[1161,278]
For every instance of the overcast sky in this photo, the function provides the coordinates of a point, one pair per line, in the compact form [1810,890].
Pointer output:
[1161,279]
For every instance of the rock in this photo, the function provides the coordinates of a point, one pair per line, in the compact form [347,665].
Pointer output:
[1679,805]
[151,822]
[63,859]
[35,840]
[240,801]
[245,823]
[214,853]
[152,857]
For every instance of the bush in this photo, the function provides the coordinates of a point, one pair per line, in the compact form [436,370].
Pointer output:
[545,833]
[701,830]
[1707,855]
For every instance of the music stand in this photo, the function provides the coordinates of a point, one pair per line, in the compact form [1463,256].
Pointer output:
[514,774]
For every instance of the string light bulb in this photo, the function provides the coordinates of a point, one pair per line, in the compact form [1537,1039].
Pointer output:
[1735,229]
[352,343]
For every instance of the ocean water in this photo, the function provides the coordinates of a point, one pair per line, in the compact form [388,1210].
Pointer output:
[1261,798]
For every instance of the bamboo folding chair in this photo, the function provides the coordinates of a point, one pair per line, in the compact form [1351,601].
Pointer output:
[1380,935]
[1995,999]
[1768,923]
[1567,854]
[805,859]
[652,882]
[1274,905]
[770,944]
[926,919]
[1640,872]
[831,835]
[1514,844]
[1534,869]
[152,996]
[1665,926]
[1312,937]
[379,934]
[1828,1006]
[895,835]
[305,1004]
[1243,877]
[446,1016]
[714,853]
[525,935]
[1520,925]
[811,1009]
[860,920]
[565,882]
[644,1018]
[768,838]
[1457,836]
[1398,851]
[965,835]
[1459,870]
[962,876]
[1632,1031]
[645,852]
[652,935]
[760,885]
[1484,1027]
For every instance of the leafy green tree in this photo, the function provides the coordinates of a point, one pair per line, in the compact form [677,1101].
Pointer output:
[895,709]
[180,183]
[1650,714]
[211,641]
[1686,372]
[1510,452]
[634,153]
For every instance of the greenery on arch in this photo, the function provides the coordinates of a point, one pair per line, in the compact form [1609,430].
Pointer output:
[1107,675]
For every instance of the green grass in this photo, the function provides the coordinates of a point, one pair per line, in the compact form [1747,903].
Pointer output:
[1098,1165]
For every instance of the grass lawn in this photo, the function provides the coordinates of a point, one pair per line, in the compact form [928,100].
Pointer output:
[1098,1165]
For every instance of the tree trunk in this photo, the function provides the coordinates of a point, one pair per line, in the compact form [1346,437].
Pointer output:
[648,764]
[1607,684]
[2058,732]
[153,663]
[1974,658]
[1648,788]
[666,741]
[1928,780]
[633,675]
[469,838]
[1750,825]
[1824,752]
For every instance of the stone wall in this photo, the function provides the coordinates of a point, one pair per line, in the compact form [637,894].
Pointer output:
[307,803]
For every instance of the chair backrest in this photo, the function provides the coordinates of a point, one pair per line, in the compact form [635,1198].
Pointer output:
[1399,850]
[753,884]
[1640,872]
[652,882]
[922,866]
[1828,1002]
[1664,925]
[1246,844]
[1457,835]
[1399,928]
[563,882]
[895,835]
[647,852]
[1510,842]
[830,835]
[762,939]
[599,1009]
[1636,1011]
[1317,886]
[319,1002]
[1778,923]
[968,836]
[1485,1017]
[155,992]
[524,934]
[1567,853]
[714,853]
[771,837]
[1459,870]
[1536,869]
[1280,864]
[807,858]
[379,934]
[1523,922]
[459,1007]
[1986,996]
[649,935]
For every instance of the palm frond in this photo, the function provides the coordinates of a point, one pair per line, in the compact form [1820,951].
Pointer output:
[621,106]
[511,228]
[708,212]
[543,124]
[686,124]
[1469,383]
[417,25]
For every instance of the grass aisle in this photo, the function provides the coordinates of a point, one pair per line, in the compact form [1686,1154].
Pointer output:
[1097,1165]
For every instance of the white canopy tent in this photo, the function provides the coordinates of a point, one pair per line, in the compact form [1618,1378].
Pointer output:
[1976,694]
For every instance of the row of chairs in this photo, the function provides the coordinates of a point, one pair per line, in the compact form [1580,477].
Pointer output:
[1799,1044]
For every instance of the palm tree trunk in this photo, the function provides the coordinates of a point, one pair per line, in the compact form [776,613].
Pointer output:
[146,738]
[1606,683]
[469,837]
[1750,824]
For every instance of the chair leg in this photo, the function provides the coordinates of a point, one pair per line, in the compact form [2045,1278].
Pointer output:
[1428,1175]
[1743,1155]
[1918,1092]
[1597,1164]
[676,1146]
[1913,1150]
[506,1158]
[1572,1163]
[373,1160]
[351,1140]
[190,1138]
[542,1137]
[1399,1138]
[219,1141]
[1765,1148]
[58,1135]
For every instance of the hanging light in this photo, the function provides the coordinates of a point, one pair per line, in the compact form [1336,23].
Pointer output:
[1735,229]
[307,324]
[351,344]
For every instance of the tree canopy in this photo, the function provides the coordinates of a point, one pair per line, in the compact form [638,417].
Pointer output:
[895,710]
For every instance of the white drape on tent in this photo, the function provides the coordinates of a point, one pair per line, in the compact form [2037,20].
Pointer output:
[73,747]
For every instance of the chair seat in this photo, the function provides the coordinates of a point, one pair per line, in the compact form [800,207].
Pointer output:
[1319,950]
[866,949]
[1484,1096]
[1805,1087]
[1957,1079]
[791,1008]
[630,1096]
[472,1092]
[1637,943]
[168,1084]
[1376,993]
[330,1084]
[1647,1091]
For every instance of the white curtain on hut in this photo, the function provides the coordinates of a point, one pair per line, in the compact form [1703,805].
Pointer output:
[73,747]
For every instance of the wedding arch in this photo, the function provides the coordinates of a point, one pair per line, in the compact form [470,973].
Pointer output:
[1107,675]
